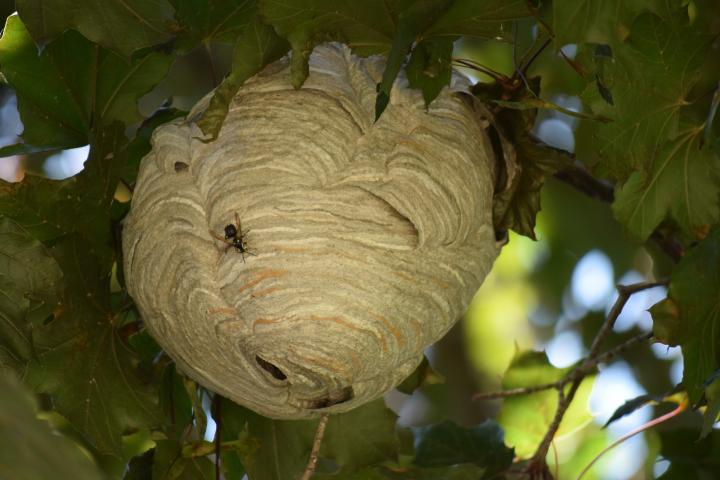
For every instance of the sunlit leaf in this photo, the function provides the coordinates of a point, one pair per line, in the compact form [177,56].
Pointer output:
[683,184]
[29,448]
[693,321]
[83,363]
[123,26]
[650,76]
[30,285]
[525,418]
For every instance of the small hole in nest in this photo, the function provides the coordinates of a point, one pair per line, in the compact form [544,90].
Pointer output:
[181,167]
[334,398]
[270,368]
[501,236]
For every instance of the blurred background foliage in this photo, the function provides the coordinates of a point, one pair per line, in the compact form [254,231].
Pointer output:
[547,295]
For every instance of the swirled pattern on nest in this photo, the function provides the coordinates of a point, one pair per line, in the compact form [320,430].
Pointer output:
[366,240]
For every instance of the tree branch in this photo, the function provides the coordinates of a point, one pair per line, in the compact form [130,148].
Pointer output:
[319,434]
[580,179]
[589,364]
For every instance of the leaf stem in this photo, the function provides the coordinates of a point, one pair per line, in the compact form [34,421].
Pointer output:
[641,428]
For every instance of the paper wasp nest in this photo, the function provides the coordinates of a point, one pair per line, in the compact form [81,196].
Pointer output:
[365,241]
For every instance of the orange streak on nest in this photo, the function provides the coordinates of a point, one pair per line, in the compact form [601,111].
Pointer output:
[265,293]
[263,275]
[265,321]
[393,330]
[349,325]
[328,364]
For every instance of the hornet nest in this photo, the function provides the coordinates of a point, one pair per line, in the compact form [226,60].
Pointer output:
[357,243]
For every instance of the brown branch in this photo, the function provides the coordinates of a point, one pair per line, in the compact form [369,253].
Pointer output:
[537,462]
[585,368]
[579,178]
[319,434]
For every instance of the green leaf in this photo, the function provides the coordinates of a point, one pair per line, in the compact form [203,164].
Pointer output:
[394,471]
[445,444]
[411,23]
[392,27]
[73,85]
[217,21]
[123,26]
[688,456]
[367,27]
[284,446]
[650,77]
[257,46]
[683,184]
[634,404]
[373,439]
[598,21]
[30,285]
[693,320]
[429,67]
[170,464]
[29,448]
[526,418]
[49,209]
[83,363]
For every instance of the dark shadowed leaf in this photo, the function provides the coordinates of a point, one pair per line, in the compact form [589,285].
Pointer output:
[367,27]
[688,456]
[712,397]
[373,439]
[517,207]
[49,209]
[284,446]
[429,67]
[525,418]
[256,46]
[83,363]
[73,85]
[140,467]
[170,464]
[30,286]
[123,26]
[599,21]
[390,27]
[692,320]
[634,404]
[446,444]
[220,20]
[29,448]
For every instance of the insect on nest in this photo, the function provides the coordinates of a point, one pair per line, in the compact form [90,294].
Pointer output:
[235,237]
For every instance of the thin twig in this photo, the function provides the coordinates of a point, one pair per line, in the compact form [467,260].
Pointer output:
[319,434]
[579,373]
[585,368]
[641,428]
